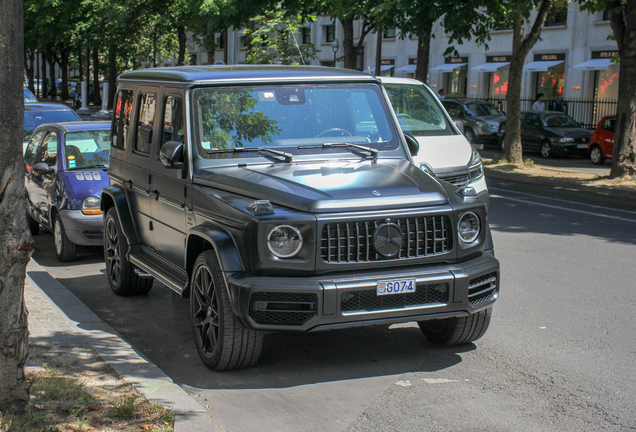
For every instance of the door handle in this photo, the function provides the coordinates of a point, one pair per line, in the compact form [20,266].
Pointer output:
[156,193]
[128,182]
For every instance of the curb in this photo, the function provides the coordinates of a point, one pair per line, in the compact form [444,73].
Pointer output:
[615,192]
[132,366]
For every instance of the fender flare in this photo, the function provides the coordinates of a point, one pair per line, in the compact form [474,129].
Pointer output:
[113,196]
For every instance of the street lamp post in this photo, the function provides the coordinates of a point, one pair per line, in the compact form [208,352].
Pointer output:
[334,46]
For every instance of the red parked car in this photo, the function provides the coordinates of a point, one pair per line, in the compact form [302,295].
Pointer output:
[602,141]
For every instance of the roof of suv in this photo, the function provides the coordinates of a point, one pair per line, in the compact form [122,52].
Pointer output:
[195,74]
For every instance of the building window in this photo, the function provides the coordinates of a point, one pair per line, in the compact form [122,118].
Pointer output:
[193,59]
[305,33]
[559,14]
[551,82]
[389,33]
[607,15]
[607,83]
[498,83]
[330,33]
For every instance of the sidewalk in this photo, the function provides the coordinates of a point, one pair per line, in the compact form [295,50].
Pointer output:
[59,322]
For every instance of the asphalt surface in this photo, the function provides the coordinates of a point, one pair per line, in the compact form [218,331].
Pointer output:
[558,355]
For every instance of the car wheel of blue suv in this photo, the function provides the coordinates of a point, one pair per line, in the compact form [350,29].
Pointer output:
[64,248]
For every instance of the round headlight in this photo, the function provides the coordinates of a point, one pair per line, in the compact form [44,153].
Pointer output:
[468,227]
[92,205]
[285,241]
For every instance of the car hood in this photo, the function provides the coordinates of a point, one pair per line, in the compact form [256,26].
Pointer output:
[443,151]
[89,182]
[572,132]
[330,186]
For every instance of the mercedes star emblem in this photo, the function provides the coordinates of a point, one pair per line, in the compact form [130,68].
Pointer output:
[387,239]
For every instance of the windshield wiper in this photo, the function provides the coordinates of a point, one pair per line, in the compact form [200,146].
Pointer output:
[265,152]
[104,165]
[367,152]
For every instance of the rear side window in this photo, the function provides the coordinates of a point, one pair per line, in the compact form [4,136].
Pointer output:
[609,124]
[145,122]
[121,118]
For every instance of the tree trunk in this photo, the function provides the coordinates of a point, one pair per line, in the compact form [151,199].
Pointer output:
[112,76]
[96,96]
[45,87]
[248,39]
[15,242]
[624,153]
[378,50]
[64,68]
[423,53]
[181,35]
[88,73]
[521,46]
[348,47]
[53,84]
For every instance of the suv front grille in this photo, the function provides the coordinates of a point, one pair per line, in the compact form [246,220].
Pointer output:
[457,178]
[353,241]
[368,300]
[482,289]
[276,308]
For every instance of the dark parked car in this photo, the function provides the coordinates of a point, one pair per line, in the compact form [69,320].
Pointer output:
[36,114]
[65,171]
[480,119]
[29,97]
[602,142]
[285,199]
[550,133]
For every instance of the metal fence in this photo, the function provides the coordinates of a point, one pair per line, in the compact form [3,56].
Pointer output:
[585,111]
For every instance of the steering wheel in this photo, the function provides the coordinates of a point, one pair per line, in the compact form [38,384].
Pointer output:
[333,130]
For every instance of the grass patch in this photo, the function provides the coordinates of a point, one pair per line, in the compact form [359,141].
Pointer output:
[61,390]
[528,163]
[124,407]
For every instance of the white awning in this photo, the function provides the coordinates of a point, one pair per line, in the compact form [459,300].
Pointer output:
[541,66]
[407,68]
[595,64]
[382,69]
[448,67]
[323,21]
[489,67]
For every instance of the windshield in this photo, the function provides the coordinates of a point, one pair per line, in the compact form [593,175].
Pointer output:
[87,149]
[28,96]
[560,121]
[417,110]
[286,117]
[484,109]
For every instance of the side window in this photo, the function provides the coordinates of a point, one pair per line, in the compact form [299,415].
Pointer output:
[29,154]
[608,125]
[48,153]
[121,118]
[145,122]
[173,120]
[452,108]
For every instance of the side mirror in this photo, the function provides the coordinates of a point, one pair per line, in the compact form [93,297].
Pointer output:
[171,155]
[42,168]
[411,142]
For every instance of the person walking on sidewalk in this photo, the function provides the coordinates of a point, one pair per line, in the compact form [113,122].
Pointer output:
[559,105]
[538,104]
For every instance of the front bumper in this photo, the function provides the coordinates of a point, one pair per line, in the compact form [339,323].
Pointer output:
[350,300]
[487,135]
[81,229]
[570,148]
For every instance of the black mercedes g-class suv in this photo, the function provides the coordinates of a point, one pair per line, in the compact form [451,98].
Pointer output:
[284,199]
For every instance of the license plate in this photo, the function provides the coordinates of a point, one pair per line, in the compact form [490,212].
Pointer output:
[398,286]
[581,146]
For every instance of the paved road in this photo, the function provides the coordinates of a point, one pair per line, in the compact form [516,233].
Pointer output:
[558,356]
[565,163]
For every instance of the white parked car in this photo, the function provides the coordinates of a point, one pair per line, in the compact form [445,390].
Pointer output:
[444,151]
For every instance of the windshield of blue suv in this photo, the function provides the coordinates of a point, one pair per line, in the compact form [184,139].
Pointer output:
[87,149]
[417,110]
[286,117]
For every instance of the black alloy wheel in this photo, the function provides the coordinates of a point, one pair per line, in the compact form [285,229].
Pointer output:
[221,340]
[121,275]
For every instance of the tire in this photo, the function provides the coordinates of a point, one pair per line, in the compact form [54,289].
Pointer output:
[119,271]
[546,149]
[596,155]
[34,226]
[64,248]
[222,342]
[455,331]
[470,135]
[502,143]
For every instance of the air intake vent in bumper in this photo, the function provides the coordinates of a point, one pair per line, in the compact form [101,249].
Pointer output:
[482,289]
[368,300]
[275,308]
